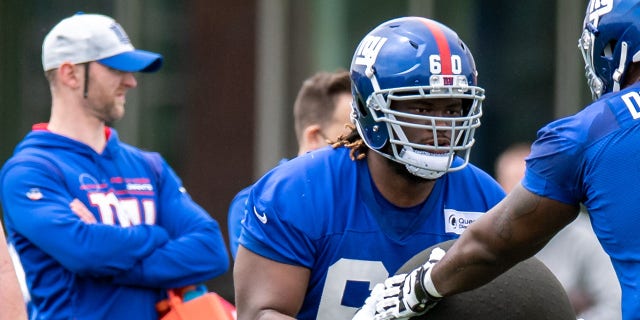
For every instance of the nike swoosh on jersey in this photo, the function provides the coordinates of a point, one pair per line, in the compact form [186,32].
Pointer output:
[262,217]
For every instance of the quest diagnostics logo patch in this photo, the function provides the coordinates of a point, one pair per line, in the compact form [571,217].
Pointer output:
[458,221]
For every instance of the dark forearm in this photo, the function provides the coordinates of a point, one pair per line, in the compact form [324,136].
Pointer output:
[467,265]
[514,230]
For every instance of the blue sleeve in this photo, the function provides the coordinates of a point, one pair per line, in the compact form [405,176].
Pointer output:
[237,211]
[273,226]
[36,205]
[553,166]
[277,240]
[196,251]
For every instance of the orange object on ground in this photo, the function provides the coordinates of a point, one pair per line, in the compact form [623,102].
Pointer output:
[210,306]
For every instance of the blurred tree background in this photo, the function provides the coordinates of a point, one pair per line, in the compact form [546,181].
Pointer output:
[220,109]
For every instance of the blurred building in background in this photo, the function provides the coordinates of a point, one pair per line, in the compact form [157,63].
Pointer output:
[220,108]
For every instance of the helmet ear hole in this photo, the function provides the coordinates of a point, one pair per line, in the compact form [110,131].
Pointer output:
[607,51]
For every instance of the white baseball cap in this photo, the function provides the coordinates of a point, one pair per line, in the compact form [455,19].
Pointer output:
[93,37]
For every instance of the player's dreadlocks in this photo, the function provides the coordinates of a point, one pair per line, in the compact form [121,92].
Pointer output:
[352,141]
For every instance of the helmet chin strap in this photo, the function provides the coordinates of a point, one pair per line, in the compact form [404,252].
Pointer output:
[416,161]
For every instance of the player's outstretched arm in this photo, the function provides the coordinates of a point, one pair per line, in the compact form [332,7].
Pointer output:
[266,289]
[514,230]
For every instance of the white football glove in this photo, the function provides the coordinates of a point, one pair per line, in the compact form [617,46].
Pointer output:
[405,296]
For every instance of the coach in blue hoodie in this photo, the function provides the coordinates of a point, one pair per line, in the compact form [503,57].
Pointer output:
[102,228]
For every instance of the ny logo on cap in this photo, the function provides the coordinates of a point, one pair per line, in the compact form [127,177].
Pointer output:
[117,29]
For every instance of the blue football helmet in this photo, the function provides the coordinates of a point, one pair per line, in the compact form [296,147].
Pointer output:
[610,41]
[413,58]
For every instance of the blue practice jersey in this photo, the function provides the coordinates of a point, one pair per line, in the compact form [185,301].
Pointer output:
[149,234]
[593,157]
[237,211]
[322,211]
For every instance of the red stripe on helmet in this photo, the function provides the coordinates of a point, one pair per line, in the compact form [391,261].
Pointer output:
[443,45]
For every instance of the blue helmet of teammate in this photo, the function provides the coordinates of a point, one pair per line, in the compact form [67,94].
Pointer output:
[415,58]
[610,41]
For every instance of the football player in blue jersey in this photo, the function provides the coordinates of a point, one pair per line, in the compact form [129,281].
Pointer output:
[591,157]
[102,228]
[325,227]
[320,113]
